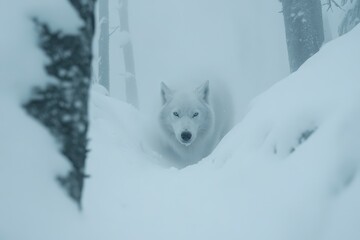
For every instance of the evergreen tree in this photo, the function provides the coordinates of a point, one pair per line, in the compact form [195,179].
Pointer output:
[62,105]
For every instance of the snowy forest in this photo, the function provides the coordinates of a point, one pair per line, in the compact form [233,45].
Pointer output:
[181,120]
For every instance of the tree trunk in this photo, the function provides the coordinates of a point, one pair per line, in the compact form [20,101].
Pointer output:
[104,78]
[304,30]
[131,86]
[62,105]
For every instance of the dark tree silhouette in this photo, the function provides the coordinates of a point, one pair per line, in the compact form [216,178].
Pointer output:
[62,106]
[304,29]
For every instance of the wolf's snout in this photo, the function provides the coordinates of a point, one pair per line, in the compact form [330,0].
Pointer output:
[186,136]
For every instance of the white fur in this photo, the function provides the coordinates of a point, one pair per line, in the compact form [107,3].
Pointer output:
[198,111]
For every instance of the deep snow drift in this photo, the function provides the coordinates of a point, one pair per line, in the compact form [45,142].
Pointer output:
[289,170]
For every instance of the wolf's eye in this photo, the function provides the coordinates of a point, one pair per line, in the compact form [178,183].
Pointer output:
[195,114]
[176,114]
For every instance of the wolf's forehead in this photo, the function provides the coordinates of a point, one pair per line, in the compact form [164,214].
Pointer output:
[186,101]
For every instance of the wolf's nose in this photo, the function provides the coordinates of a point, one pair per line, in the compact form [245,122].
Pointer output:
[186,136]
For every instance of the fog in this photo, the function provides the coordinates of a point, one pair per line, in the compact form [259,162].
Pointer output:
[239,42]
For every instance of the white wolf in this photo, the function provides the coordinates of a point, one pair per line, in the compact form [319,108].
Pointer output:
[193,122]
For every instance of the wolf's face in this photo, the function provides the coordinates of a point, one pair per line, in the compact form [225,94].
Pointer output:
[186,115]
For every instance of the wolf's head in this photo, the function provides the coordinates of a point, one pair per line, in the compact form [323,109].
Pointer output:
[186,115]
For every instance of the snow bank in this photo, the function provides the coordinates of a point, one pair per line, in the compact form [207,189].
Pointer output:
[289,170]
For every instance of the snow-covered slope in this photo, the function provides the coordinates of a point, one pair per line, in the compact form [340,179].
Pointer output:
[289,170]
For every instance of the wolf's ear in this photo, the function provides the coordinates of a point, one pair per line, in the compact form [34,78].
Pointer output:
[166,93]
[203,91]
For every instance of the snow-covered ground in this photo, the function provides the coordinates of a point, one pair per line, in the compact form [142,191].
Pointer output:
[289,170]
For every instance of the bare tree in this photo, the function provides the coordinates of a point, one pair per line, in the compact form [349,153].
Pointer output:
[351,19]
[130,77]
[104,77]
[62,105]
[304,29]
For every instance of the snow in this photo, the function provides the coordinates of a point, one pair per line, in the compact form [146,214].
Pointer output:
[268,179]
[264,180]
[32,205]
